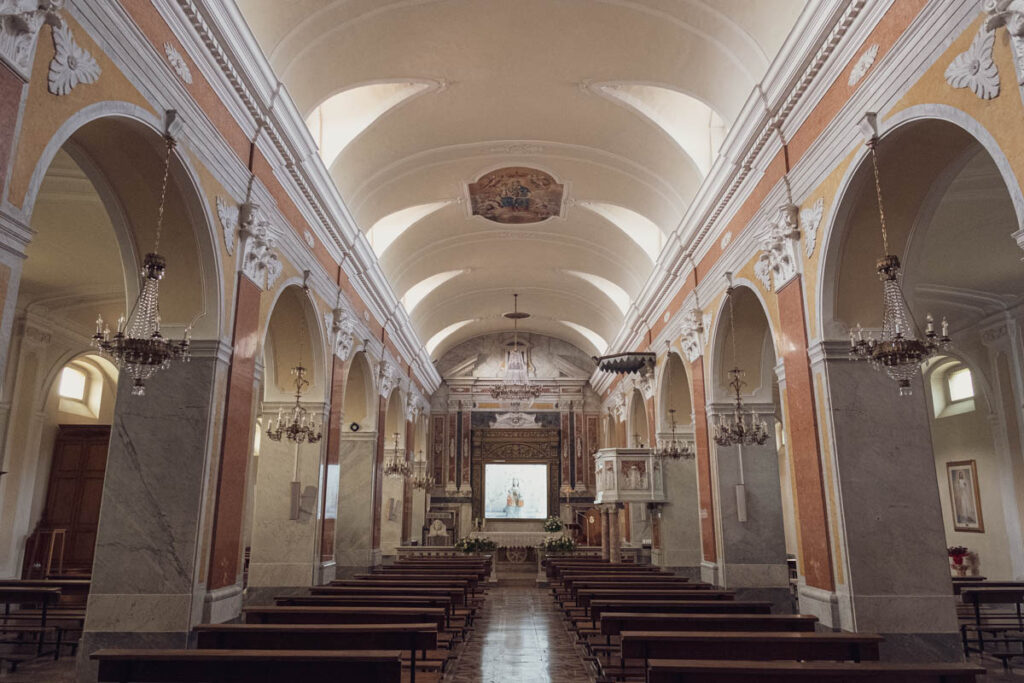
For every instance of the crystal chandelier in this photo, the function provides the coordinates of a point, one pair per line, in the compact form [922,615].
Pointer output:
[421,477]
[901,349]
[515,386]
[299,426]
[137,347]
[397,464]
[672,447]
[742,428]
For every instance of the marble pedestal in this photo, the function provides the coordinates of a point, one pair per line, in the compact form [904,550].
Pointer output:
[146,589]
[680,520]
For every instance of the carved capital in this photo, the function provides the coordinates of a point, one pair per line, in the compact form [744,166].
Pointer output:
[341,325]
[778,260]
[389,378]
[258,239]
[691,334]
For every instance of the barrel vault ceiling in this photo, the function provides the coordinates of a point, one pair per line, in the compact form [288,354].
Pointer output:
[622,103]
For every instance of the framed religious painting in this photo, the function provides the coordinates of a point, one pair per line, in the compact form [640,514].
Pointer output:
[964,498]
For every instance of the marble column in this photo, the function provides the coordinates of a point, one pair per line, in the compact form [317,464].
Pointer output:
[147,576]
[605,533]
[614,535]
[679,523]
[894,578]
[705,487]
[283,552]
[752,552]
[353,540]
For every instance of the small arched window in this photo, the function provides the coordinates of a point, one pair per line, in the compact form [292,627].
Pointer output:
[952,387]
[72,384]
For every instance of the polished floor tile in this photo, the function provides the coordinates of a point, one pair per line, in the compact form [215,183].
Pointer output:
[519,636]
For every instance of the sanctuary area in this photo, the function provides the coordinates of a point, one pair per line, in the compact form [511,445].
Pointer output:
[473,341]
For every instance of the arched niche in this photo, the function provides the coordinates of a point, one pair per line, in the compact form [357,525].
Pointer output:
[92,206]
[952,208]
[674,394]
[754,495]
[285,522]
[638,427]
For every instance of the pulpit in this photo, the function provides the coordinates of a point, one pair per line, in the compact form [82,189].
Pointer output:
[628,475]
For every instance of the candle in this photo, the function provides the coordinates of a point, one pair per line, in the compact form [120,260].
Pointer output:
[945,327]
[99,325]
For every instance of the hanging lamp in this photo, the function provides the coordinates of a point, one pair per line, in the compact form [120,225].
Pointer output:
[742,428]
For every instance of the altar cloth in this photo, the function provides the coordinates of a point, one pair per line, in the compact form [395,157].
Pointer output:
[516,539]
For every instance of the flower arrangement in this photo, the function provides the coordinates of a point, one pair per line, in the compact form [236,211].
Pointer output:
[958,552]
[561,544]
[553,524]
[475,545]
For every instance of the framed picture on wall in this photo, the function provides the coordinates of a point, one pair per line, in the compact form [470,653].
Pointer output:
[964,498]
[392,510]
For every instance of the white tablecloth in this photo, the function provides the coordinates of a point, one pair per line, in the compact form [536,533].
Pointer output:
[515,539]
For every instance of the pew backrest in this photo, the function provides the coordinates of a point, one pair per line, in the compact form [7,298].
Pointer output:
[711,671]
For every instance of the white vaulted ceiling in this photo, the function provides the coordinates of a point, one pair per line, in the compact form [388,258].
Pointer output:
[623,102]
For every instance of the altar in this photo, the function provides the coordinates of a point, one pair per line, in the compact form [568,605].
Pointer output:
[516,539]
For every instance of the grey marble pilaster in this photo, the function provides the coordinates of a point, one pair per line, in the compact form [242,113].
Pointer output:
[680,519]
[898,582]
[146,571]
[283,550]
[353,540]
[753,560]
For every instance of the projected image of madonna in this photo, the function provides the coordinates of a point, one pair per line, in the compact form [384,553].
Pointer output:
[514,501]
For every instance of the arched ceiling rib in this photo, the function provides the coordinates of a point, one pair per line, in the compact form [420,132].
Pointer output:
[623,103]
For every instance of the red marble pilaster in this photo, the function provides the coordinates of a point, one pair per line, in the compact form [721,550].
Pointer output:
[437,447]
[410,435]
[580,444]
[652,433]
[703,446]
[452,444]
[467,424]
[565,450]
[812,516]
[593,444]
[226,540]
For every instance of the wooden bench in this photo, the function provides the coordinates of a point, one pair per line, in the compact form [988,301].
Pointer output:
[33,624]
[408,637]
[1000,624]
[452,614]
[710,671]
[351,615]
[253,666]
[457,594]
[854,647]
[584,597]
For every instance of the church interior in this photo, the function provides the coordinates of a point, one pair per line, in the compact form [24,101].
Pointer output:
[467,341]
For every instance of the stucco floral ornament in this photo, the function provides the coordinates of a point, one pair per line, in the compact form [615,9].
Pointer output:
[71,65]
[974,67]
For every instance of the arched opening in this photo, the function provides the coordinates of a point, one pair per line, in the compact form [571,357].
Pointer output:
[637,427]
[940,185]
[678,539]
[752,552]
[353,547]
[93,211]
[394,487]
[284,526]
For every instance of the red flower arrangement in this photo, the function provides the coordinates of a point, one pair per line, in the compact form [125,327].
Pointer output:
[958,552]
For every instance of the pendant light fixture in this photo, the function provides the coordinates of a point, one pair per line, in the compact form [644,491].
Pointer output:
[515,387]
[742,428]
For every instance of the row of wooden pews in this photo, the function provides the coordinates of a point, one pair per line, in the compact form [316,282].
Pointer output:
[400,622]
[643,623]
[991,616]
[41,618]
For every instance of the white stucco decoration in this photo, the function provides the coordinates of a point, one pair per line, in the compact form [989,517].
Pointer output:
[862,64]
[342,326]
[20,23]
[178,63]
[227,212]
[310,240]
[1009,13]
[726,239]
[974,68]
[389,378]
[258,239]
[620,407]
[71,65]
[691,333]
[778,246]
[810,219]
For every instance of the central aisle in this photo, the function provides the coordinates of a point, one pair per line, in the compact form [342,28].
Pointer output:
[519,636]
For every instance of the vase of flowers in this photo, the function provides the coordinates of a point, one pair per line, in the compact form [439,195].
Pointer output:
[561,544]
[475,545]
[957,553]
[553,524]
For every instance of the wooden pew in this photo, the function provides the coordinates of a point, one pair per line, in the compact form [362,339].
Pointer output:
[467,585]
[408,637]
[584,597]
[34,624]
[457,594]
[599,607]
[711,671]
[256,666]
[350,615]
[854,647]
[453,616]
[613,623]
[1005,620]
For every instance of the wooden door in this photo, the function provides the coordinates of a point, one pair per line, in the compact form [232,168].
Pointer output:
[592,527]
[76,488]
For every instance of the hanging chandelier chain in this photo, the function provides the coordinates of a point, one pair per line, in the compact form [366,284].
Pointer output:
[171,143]
[872,145]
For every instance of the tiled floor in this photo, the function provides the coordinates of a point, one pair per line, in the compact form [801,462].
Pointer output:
[519,636]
